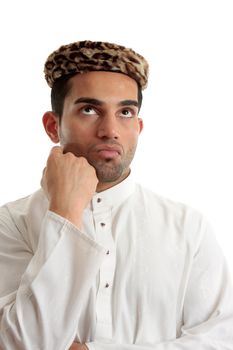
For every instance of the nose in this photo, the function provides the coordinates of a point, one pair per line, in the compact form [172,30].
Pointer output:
[108,127]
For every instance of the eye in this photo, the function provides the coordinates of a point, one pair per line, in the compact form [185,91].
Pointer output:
[127,113]
[88,110]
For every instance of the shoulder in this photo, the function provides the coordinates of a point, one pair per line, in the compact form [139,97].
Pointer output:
[162,203]
[19,218]
[173,216]
[23,206]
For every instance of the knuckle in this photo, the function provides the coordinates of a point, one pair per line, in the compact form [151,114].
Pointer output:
[69,155]
[55,150]
[82,161]
[93,170]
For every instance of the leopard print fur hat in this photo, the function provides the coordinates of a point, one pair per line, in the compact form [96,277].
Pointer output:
[86,56]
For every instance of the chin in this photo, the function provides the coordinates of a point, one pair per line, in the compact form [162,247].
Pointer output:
[114,174]
[109,175]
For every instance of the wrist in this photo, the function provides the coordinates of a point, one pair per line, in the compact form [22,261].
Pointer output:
[74,217]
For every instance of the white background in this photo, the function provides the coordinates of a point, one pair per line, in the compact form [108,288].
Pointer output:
[185,151]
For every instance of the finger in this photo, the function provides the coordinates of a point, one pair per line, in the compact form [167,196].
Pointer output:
[56,150]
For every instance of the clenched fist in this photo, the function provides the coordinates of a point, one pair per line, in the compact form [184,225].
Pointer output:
[69,183]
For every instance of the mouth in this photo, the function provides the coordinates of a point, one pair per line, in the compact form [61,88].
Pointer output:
[108,154]
[109,151]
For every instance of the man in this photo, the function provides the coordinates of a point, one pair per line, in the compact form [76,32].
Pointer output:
[93,260]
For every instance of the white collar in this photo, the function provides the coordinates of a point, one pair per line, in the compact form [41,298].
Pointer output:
[115,195]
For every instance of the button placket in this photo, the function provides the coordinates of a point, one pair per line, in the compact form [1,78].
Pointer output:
[104,294]
[103,222]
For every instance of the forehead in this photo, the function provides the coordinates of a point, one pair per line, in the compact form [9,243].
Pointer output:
[103,84]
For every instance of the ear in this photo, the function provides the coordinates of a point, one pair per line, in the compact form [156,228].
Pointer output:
[51,123]
[140,124]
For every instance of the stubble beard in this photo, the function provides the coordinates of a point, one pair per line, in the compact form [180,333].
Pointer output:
[111,170]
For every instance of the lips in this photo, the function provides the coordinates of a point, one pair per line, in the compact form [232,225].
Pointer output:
[108,154]
[108,151]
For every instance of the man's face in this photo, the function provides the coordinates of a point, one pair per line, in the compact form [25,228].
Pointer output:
[100,122]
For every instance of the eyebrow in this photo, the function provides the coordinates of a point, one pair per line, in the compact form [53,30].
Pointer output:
[97,102]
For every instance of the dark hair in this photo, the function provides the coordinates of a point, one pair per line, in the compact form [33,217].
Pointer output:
[60,90]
